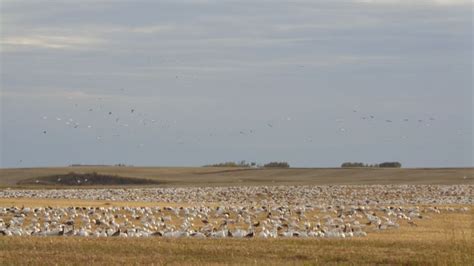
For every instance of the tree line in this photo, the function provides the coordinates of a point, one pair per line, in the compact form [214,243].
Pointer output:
[380,165]
[245,164]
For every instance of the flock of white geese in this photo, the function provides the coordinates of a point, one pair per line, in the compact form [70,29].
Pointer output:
[234,212]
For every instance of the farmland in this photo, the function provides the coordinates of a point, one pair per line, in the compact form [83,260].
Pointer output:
[210,176]
[239,216]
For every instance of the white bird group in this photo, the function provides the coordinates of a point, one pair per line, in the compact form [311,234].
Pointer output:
[234,212]
[341,195]
[205,221]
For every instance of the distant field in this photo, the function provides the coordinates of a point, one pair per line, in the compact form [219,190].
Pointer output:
[209,176]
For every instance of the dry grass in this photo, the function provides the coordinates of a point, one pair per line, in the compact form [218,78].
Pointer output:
[444,239]
[199,176]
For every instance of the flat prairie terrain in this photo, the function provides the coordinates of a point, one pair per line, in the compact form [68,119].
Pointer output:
[216,176]
[445,239]
[427,238]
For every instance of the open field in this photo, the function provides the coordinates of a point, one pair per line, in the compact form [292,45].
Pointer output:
[244,216]
[444,239]
[204,176]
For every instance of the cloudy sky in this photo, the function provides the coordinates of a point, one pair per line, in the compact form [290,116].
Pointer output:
[187,83]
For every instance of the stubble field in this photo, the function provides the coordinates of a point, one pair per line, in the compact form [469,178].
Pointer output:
[311,216]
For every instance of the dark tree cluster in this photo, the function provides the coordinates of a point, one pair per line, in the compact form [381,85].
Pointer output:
[381,165]
[250,165]
[233,164]
[277,165]
[390,165]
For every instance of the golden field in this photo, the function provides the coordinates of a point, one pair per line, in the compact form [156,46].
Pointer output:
[445,239]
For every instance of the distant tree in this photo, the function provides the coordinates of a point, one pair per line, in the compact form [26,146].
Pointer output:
[366,165]
[384,165]
[390,165]
[242,163]
[277,165]
[353,164]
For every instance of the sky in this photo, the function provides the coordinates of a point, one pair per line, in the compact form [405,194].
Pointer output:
[189,83]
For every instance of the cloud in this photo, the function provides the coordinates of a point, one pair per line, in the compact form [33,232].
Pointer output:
[48,42]
[410,2]
[51,93]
